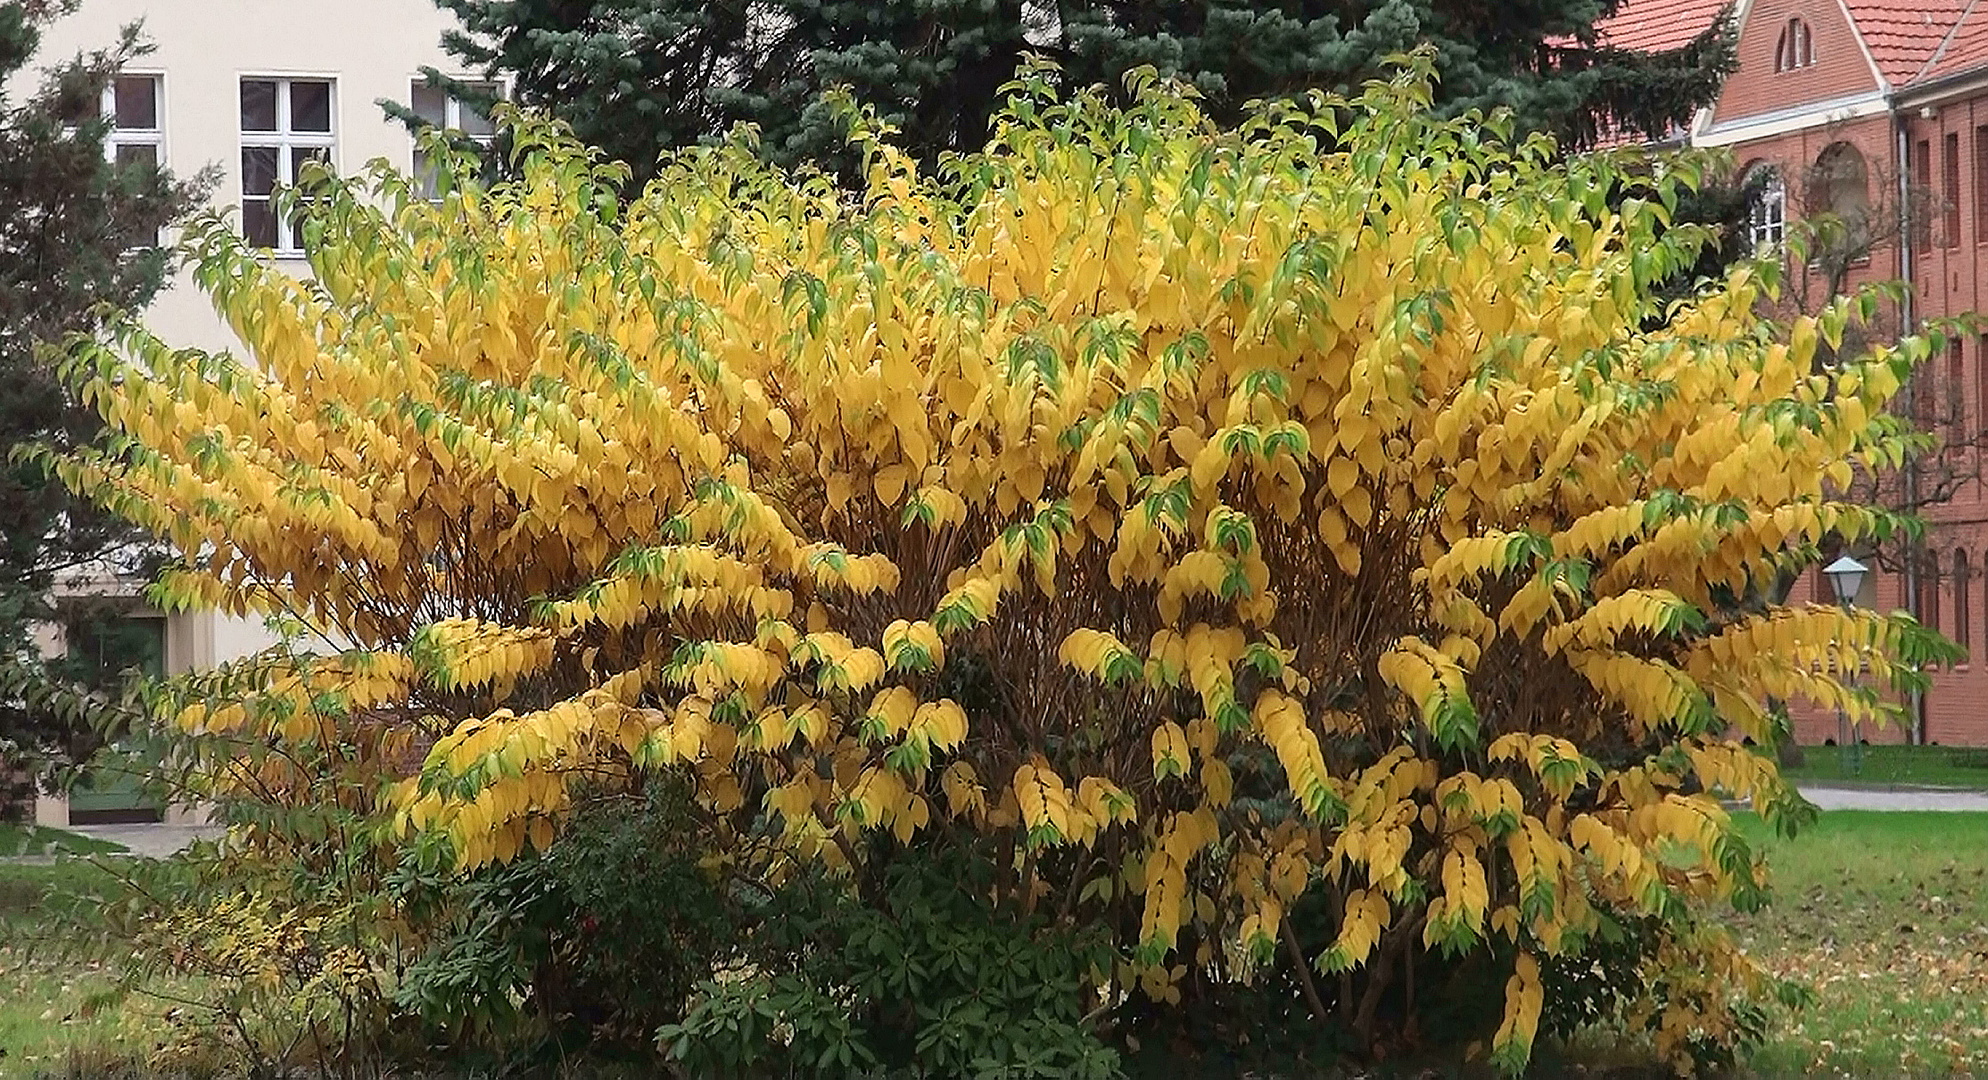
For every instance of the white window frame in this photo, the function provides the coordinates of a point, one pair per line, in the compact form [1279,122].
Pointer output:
[285,141]
[154,136]
[452,110]
[1767,218]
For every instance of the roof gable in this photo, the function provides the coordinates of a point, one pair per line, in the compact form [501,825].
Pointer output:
[1863,50]
[1906,42]
[1841,69]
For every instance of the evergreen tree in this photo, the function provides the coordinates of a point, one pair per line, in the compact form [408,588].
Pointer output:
[635,76]
[79,230]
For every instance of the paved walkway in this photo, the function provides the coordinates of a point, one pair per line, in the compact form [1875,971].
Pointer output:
[1899,798]
[149,840]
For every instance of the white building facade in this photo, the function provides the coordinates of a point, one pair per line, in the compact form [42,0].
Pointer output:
[251,89]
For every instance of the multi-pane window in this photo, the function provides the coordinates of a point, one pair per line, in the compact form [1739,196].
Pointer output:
[1767,218]
[132,103]
[101,648]
[1954,393]
[441,109]
[285,124]
[1981,379]
[1923,397]
[137,130]
[1950,191]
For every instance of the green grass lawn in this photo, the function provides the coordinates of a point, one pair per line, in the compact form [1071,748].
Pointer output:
[50,967]
[18,840]
[1885,917]
[1932,766]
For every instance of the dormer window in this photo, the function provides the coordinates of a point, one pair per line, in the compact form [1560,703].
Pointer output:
[1796,49]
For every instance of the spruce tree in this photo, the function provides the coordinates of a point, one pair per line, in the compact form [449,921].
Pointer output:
[79,231]
[636,76]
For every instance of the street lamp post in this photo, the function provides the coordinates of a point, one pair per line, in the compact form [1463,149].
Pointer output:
[1846,576]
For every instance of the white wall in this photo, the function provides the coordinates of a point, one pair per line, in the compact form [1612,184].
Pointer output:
[373,49]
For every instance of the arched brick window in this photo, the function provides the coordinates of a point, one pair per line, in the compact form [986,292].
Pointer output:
[1840,183]
[1796,49]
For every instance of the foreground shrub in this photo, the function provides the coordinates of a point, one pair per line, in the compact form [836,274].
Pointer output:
[278,948]
[311,938]
[276,986]
[597,941]
[1308,553]
[930,981]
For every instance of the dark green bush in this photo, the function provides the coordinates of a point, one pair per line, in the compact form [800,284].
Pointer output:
[928,980]
[634,920]
[597,941]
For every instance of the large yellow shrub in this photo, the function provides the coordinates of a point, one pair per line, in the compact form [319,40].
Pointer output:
[1194,518]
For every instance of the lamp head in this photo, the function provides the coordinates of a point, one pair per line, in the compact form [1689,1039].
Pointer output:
[1846,576]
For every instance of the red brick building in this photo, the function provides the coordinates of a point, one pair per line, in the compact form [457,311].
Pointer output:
[1876,112]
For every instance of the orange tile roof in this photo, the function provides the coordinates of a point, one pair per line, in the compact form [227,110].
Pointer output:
[1964,49]
[1656,25]
[1904,36]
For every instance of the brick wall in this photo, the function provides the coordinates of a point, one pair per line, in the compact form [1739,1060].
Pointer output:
[1947,273]
[1947,280]
[1957,704]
